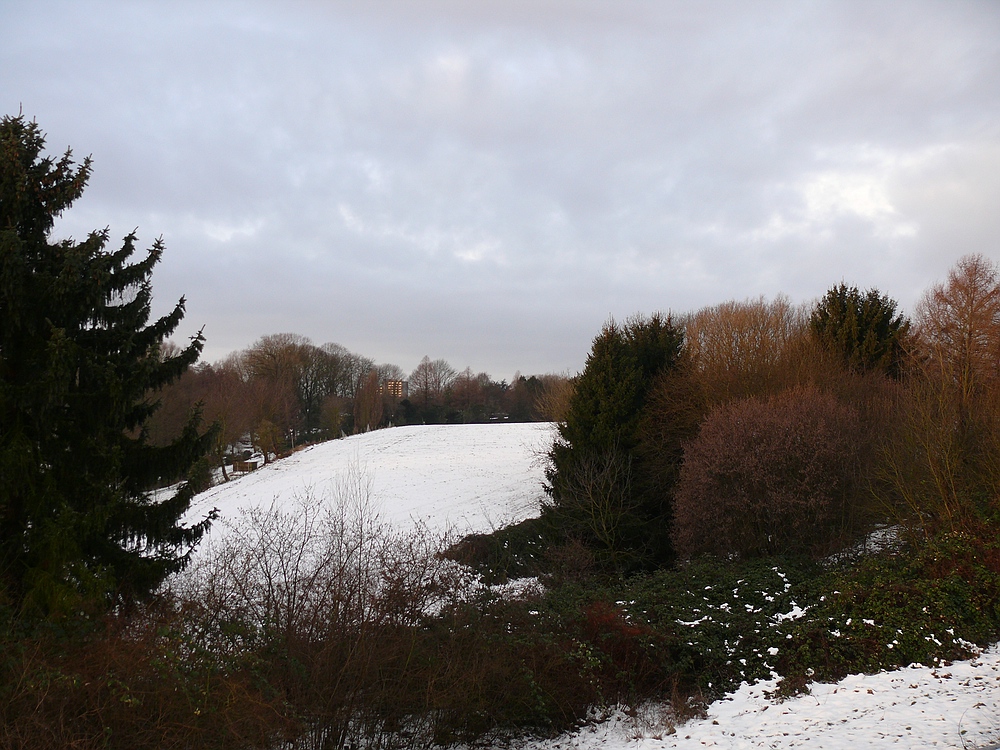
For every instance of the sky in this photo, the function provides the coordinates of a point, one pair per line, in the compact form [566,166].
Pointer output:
[489,182]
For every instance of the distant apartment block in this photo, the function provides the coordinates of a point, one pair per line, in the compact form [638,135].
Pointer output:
[398,389]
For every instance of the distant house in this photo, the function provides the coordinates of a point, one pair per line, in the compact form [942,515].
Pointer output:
[242,467]
[398,389]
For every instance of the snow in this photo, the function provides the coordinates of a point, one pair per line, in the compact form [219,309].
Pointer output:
[918,707]
[464,478]
[474,478]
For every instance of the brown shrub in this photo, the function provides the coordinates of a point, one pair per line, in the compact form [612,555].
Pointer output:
[131,681]
[323,600]
[776,476]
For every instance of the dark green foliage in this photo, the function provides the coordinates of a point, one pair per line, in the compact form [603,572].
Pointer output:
[78,362]
[718,620]
[863,330]
[597,477]
[607,403]
[925,604]
[718,623]
[515,551]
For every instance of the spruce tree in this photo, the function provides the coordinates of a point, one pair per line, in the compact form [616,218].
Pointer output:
[863,330]
[80,366]
[597,484]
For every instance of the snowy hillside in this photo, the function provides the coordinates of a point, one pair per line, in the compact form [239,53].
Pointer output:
[468,478]
[478,477]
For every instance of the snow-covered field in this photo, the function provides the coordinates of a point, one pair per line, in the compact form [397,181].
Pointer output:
[467,478]
[478,477]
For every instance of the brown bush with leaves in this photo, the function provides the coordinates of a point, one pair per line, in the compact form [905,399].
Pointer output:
[133,680]
[775,476]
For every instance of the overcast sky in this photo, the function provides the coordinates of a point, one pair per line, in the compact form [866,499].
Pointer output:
[488,182]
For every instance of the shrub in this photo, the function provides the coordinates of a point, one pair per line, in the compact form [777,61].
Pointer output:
[516,551]
[927,604]
[130,681]
[694,631]
[322,602]
[779,476]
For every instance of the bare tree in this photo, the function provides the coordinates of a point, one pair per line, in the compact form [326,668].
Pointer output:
[276,357]
[351,370]
[553,402]
[742,349]
[269,402]
[226,404]
[387,372]
[467,391]
[430,380]
[313,382]
[958,331]
[945,461]
[368,407]
[337,371]
[597,503]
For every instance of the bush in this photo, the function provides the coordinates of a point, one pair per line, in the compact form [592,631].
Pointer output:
[516,551]
[322,602]
[709,624]
[772,477]
[131,681]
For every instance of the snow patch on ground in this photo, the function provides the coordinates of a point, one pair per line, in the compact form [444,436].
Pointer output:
[918,707]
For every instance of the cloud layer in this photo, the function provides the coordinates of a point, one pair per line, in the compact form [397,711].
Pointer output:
[488,182]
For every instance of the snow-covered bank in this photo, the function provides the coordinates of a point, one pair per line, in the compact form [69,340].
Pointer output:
[919,707]
[469,478]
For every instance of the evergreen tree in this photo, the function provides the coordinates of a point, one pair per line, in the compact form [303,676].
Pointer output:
[597,484]
[80,366]
[863,329]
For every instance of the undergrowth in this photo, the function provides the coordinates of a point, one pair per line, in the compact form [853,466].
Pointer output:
[935,602]
[375,662]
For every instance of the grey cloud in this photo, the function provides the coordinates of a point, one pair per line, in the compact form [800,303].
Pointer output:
[487,182]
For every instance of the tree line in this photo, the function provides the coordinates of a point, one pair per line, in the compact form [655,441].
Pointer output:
[761,427]
[284,391]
